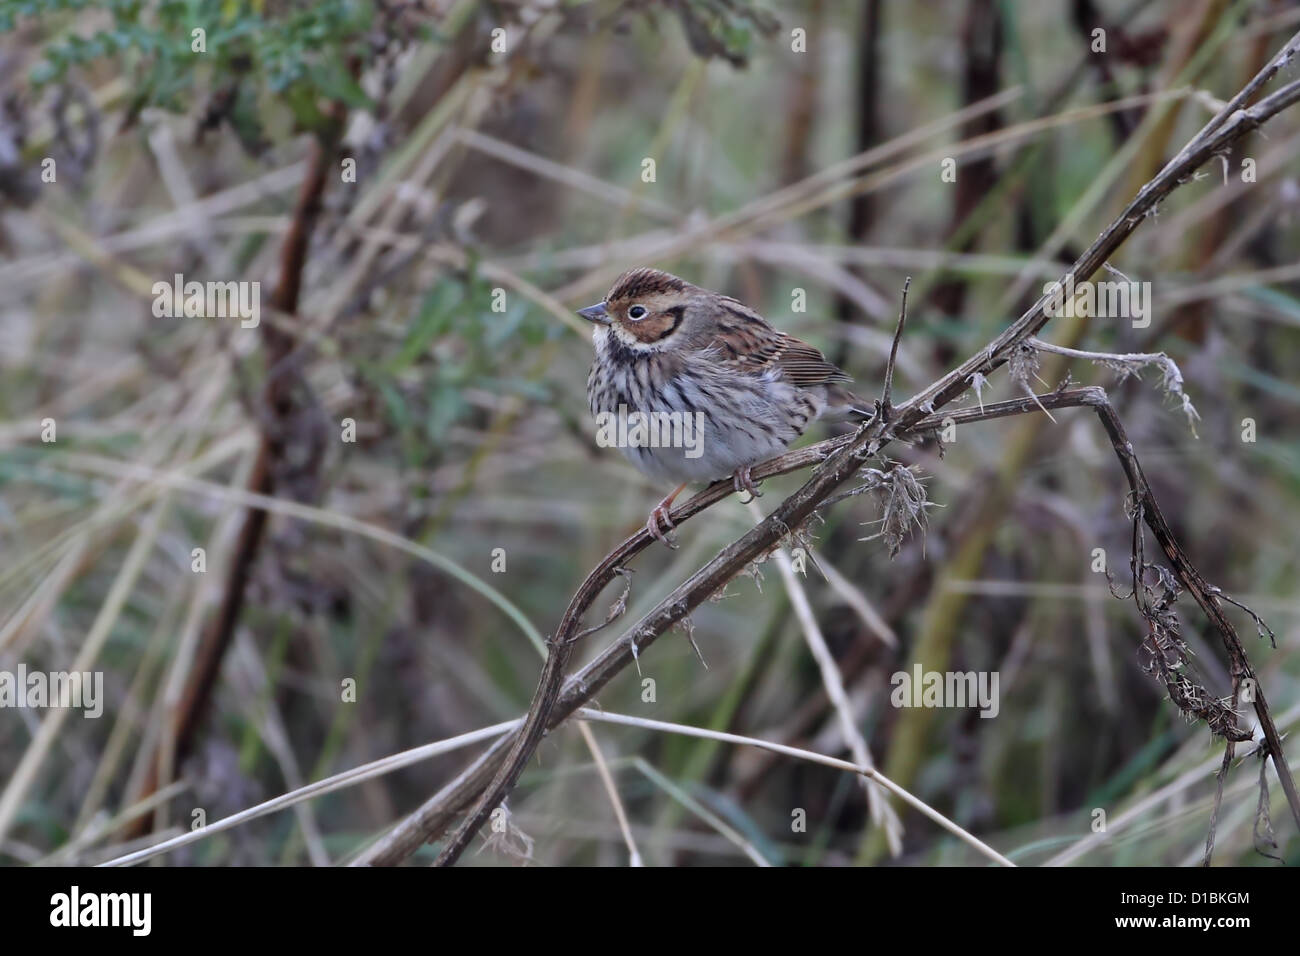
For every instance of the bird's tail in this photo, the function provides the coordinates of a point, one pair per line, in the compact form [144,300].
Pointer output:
[845,405]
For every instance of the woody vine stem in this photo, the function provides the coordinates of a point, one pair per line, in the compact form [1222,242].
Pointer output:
[483,785]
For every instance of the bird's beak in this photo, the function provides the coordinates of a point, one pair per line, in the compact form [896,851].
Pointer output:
[595,313]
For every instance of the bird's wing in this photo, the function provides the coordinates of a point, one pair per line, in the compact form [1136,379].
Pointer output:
[750,346]
[804,365]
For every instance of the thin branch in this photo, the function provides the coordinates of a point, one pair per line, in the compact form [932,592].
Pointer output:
[183,724]
[1205,595]
[886,401]
[554,700]
[586,683]
[607,780]
[1129,363]
[882,814]
[725,830]
[339,781]
[869,772]
[1221,778]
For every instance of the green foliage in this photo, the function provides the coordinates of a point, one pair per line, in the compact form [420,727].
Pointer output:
[722,28]
[453,342]
[295,53]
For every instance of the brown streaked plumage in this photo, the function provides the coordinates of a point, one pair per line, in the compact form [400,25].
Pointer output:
[667,348]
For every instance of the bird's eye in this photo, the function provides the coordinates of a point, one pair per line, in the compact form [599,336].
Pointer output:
[637,312]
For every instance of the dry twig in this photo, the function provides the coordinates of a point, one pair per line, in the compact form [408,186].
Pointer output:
[493,776]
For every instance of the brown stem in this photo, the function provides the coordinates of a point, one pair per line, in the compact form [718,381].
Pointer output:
[554,700]
[434,817]
[1206,595]
[278,401]
[861,206]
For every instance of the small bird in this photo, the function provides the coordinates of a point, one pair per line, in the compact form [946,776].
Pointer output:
[665,346]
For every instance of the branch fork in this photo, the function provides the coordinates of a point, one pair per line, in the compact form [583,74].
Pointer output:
[482,786]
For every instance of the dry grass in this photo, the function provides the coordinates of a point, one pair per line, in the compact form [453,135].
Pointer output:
[522,172]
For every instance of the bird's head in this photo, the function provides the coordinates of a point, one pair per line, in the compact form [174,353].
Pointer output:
[648,310]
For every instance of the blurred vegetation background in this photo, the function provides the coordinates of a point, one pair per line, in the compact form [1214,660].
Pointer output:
[425,191]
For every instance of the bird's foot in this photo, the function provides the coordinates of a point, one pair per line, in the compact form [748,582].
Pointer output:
[660,515]
[657,516]
[741,480]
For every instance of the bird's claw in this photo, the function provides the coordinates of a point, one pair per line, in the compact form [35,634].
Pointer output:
[741,480]
[660,513]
